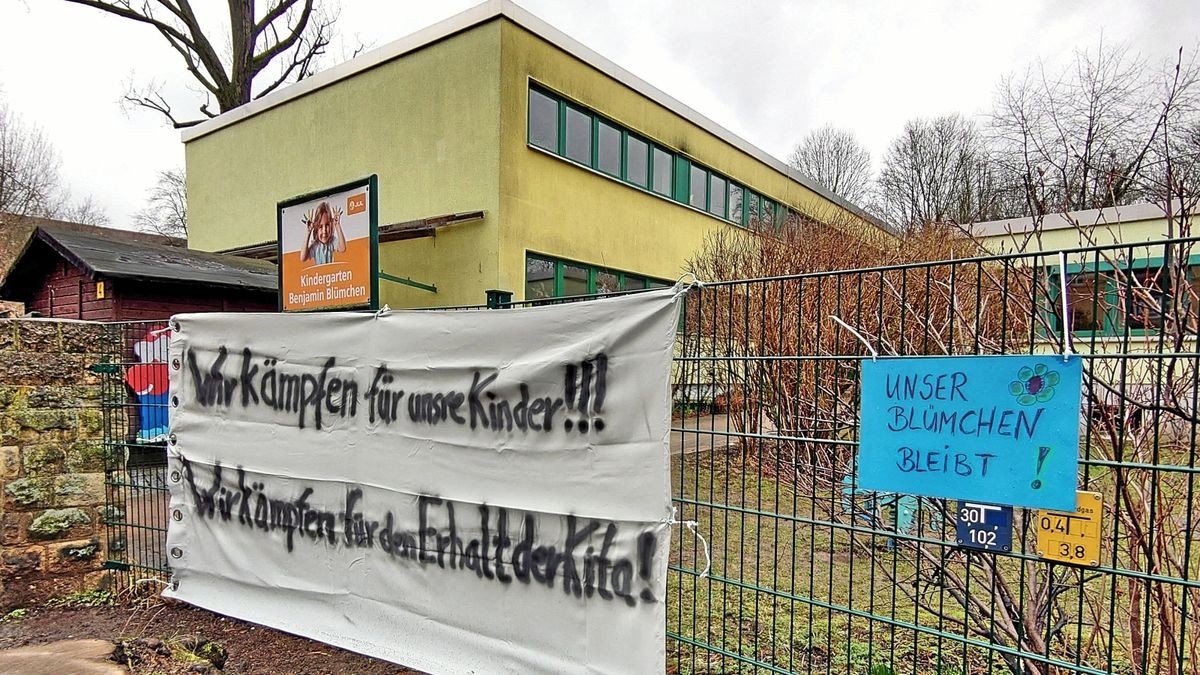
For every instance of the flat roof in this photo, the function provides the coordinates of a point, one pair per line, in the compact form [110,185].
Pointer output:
[483,13]
[1111,215]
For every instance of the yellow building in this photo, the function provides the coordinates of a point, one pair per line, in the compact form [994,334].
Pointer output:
[508,156]
[1131,224]
[1117,289]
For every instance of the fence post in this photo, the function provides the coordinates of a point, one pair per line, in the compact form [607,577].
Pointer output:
[497,297]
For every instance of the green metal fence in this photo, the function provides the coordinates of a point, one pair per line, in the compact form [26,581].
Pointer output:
[812,574]
[133,398]
[808,572]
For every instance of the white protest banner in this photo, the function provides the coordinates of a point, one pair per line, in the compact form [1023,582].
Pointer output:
[470,491]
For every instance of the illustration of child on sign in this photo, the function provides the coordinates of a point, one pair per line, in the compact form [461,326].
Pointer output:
[324,236]
[149,381]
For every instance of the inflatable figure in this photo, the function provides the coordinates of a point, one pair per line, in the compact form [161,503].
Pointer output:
[149,381]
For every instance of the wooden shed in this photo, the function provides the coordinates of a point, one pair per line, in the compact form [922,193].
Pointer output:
[103,276]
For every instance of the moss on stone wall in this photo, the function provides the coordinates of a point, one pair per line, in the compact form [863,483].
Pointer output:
[52,460]
[51,523]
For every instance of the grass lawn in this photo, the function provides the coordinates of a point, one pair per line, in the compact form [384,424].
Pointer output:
[794,588]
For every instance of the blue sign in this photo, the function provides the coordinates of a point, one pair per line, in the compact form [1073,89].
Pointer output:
[994,429]
[984,526]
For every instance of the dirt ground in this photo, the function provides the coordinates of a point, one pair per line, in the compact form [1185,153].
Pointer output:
[162,639]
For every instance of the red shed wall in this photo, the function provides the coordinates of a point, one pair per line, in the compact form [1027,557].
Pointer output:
[139,300]
[68,293]
[61,290]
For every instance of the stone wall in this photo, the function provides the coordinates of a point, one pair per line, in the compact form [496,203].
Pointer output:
[52,535]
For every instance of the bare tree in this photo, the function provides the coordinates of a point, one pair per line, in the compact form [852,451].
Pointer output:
[84,210]
[938,171]
[835,159]
[1094,134]
[281,42]
[29,181]
[1172,172]
[165,211]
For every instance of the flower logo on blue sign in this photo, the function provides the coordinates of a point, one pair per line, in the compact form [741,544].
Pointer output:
[1034,385]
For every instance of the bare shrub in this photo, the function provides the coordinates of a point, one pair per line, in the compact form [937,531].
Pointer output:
[789,367]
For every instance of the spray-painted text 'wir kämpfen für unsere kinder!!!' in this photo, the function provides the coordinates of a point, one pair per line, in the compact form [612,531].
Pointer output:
[316,397]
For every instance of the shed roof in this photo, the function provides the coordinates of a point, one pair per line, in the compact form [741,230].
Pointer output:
[16,230]
[105,256]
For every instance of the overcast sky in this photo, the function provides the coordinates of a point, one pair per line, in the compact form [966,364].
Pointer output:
[768,70]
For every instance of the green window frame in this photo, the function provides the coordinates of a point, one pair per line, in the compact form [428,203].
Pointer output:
[737,203]
[543,101]
[666,185]
[584,131]
[697,187]
[682,170]
[718,195]
[1096,309]
[675,185]
[631,150]
[767,214]
[546,270]
[626,281]
[1105,308]
[606,132]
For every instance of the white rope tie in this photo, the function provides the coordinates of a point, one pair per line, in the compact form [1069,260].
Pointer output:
[692,525]
[382,311]
[682,287]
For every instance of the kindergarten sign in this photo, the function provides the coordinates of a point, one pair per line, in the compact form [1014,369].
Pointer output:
[480,491]
[995,429]
[327,249]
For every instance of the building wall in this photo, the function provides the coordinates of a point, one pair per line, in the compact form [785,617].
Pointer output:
[52,460]
[1103,234]
[554,207]
[139,301]
[444,128]
[1115,340]
[67,292]
[426,123]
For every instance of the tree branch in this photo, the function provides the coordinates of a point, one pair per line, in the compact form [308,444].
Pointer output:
[261,60]
[271,15]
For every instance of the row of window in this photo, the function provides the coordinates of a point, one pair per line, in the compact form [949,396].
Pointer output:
[1104,303]
[584,137]
[553,278]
